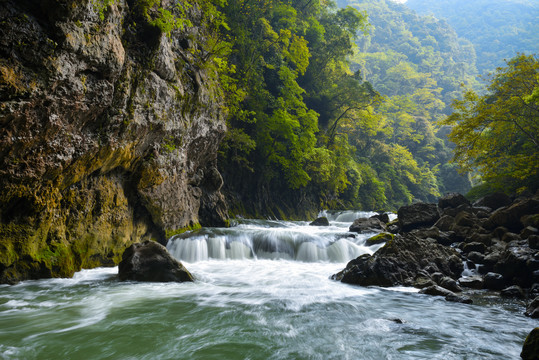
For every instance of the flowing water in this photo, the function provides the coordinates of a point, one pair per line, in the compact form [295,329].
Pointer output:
[262,292]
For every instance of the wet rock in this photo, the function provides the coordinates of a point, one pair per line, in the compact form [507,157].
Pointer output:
[530,349]
[493,281]
[481,238]
[509,236]
[459,299]
[417,215]
[379,239]
[400,262]
[472,282]
[474,247]
[449,284]
[494,201]
[528,231]
[382,217]
[321,221]
[452,200]
[517,263]
[476,257]
[423,282]
[150,261]
[532,310]
[533,242]
[436,290]
[364,225]
[513,291]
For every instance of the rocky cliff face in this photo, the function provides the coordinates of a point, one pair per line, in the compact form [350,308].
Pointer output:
[108,133]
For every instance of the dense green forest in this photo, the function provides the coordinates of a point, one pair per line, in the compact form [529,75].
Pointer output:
[335,106]
[498,133]
[499,29]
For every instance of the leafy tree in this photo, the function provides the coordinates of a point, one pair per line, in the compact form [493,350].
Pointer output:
[498,133]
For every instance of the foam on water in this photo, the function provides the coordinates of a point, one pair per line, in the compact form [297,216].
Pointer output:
[275,240]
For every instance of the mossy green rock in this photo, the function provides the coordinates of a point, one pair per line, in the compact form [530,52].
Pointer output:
[379,239]
[530,349]
[108,134]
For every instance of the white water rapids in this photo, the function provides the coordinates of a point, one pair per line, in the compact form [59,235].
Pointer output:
[260,293]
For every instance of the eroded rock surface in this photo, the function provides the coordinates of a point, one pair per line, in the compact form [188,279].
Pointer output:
[108,133]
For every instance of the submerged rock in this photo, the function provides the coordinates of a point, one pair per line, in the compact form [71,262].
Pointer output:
[150,261]
[321,221]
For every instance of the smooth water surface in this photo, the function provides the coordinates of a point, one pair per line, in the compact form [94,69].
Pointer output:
[250,304]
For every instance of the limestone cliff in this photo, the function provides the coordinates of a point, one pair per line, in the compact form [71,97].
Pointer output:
[109,129]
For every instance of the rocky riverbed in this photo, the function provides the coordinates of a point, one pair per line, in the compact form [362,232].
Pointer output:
[454,247]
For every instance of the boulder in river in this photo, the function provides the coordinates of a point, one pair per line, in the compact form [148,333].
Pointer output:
[532,310]
[401,261]
[150,261]
[417,215]
[321,221]
[530,349]
[365,225]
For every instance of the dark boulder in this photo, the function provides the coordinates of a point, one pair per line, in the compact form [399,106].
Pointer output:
[494,201]
[321,221]
[513,291]
[476,257]
[472,282]
[150,261]
[474,247]
[517,263]
[436,290]
[530,349]
[459,298]
[533,242]
[532,310]
[445,223]
[510,217]
[384,217]
[450,284]
[364,225]
[528,231]
[402,261]
[493,281]
[417,215]
[452,200]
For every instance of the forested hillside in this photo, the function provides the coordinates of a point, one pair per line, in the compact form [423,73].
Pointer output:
[317,121]
[497,28]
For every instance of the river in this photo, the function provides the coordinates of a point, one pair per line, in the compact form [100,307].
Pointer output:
[262,292]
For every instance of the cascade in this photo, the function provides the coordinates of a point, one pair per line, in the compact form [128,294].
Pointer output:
[258,239]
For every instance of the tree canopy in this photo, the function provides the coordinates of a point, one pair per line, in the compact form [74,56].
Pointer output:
[498,133]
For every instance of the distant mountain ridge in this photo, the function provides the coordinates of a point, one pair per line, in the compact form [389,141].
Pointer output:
[499,29]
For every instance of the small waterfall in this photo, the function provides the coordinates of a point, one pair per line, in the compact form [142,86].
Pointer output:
[346,217]
[258,239]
